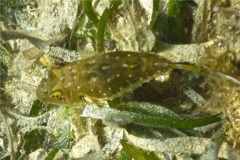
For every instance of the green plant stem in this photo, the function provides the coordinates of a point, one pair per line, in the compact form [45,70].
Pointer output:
[130,151]
[103,23]
[116,117]
[176,26]
[87,5]
[72,38]
[154,14]
[52,154]
[174,123]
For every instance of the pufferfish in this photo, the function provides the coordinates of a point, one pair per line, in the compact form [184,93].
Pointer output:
[103,77]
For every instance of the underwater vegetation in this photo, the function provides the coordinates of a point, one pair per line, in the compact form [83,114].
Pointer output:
[119,79]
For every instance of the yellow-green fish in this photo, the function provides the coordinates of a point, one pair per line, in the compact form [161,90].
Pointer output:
[102,77]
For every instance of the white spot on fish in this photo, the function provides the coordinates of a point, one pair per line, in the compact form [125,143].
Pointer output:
[69,84]
[155,64]
[145,61]
[74,71]
[125,65]
[118,75]
[94,79]
[106,67]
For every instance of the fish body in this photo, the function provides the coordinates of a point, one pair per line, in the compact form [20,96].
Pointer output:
[101,77]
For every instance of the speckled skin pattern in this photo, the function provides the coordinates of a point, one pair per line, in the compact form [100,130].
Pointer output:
[101,77]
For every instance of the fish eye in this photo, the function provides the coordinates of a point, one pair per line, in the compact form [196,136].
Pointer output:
[56,95]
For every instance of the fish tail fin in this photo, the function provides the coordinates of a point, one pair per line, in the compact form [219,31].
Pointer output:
[186,67]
